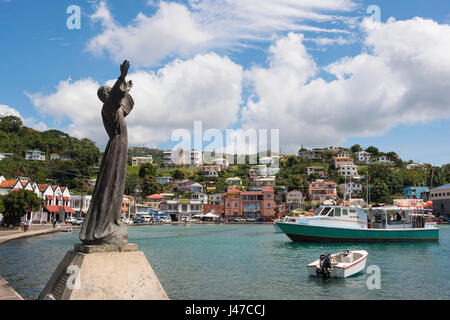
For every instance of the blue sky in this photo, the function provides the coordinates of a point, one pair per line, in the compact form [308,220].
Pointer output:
[39,52]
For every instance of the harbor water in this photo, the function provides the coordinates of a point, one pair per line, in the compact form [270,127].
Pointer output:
[246,262]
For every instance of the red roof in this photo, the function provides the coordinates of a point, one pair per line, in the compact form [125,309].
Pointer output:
[52,208]
[234,190]
[42,187]
[155,196]
[54,187]
[63,188]
[68,209]
[8,183]
[67,198]
[267,189]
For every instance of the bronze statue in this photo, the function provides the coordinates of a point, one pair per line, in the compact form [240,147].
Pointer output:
[102,225]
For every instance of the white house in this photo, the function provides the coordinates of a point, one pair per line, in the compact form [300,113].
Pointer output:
[4,155]
[35,155]
[211,170]
[384,160]
[348,170]
[223,163]
[137,161]
[236,181]
[363,157]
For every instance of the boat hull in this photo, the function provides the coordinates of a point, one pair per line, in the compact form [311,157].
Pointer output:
[309,233]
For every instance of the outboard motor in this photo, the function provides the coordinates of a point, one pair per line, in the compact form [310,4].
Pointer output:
[324,268]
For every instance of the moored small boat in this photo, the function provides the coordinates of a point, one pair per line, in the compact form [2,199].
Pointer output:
[66,230]
[339,265]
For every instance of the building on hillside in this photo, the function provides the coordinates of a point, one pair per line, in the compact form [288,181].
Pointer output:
[141,210]
[416,166]
[348,170]
[183,157]
[35,155]
[211,170]
[137,161]
[235,181]
[223,163]
[414,192]
[314,154]
[268,181]
[4,155]
[164,180]
[91,183]
[258,171]
[343,154]
[321,190]
[384,160]
[343,161]
[250,204]
[128,207]
[319,170]
[363,157]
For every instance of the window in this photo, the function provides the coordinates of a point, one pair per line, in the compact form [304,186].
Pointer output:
[235,204]
[268,204]
[345,212]
[268,196]
[228,204]
[337,212]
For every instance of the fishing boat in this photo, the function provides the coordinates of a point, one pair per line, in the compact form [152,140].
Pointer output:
[332,223]
[339,265]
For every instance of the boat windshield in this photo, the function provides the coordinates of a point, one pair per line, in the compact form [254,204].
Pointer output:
[325,211]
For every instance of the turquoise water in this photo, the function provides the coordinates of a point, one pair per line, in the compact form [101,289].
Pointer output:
[245,262]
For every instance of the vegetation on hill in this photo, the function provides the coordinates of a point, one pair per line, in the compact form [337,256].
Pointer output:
[17,139]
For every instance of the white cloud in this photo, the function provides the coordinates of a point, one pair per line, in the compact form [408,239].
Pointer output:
[172,30]
[402,77]
[207,88]
[201,25]
[8,111]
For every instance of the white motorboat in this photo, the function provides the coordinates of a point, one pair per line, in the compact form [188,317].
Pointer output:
[339,265]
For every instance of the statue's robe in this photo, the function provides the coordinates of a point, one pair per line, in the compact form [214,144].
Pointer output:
[102,224]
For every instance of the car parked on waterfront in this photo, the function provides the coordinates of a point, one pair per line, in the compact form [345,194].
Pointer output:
[78,222]
[250,220]
[71,220]
[138,221]
[239,219]
[165,220]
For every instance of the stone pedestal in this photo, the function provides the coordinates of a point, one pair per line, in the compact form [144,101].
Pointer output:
[104,273]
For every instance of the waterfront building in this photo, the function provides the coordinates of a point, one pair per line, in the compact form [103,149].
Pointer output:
[319,170]
[250,204]
[154,201]
[199,196]
[294,200]
[128,207]
[141,210]
[179,208]
[440,197]
[6,186]
[80,204]
[414,192]
[216,199]
[236,181]
[137,161]
[321,190]
[35,155]
[211,170]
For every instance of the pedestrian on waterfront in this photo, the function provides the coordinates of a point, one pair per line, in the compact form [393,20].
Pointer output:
[24,225]
[28,224]
[54,223]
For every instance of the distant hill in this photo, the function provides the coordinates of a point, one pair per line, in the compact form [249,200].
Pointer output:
[17,139]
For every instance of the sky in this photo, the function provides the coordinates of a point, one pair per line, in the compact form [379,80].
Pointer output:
[320,73]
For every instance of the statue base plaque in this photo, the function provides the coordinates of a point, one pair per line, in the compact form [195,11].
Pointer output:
[104,272]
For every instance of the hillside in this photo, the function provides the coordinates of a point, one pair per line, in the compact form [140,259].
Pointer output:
[16,138]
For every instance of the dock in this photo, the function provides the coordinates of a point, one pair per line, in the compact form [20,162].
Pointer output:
[7,292]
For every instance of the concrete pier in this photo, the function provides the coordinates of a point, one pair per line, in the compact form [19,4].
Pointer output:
[7,292]
[6,235]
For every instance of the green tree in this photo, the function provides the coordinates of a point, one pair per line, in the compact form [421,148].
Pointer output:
[148,169]
[19,203]
[178,174]
[10,123]
[356,148]
[373,150]
[151,186]
[379,192]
